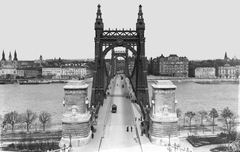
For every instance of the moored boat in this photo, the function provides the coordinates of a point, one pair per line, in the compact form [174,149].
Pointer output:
[59,81]
[28,82]
[44,82]
[34,82]
[6,81]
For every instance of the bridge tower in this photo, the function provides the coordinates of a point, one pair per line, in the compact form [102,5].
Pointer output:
[132,40]
[76,123]
[163,116]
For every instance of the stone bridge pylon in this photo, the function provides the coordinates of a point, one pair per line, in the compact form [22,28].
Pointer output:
[76,125]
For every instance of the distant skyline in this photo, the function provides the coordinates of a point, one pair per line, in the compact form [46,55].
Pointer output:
[199,30]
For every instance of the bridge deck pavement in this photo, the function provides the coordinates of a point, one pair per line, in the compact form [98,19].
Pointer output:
[93,145]
[116,137]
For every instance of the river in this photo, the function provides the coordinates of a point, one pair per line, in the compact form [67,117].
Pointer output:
[49,97]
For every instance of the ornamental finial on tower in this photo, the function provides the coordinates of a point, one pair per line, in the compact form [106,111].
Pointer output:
[99,23]
[140,14]
[99,14]
[140,20]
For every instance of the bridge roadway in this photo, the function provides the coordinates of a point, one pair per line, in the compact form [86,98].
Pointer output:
[116,137]
[111,134]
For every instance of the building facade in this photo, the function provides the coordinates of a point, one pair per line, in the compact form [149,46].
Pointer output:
[32,72]
[228,71]
[205,72]
[52,71]
[73,71]
[171,66]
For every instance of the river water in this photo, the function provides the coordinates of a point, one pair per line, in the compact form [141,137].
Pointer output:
[49,97]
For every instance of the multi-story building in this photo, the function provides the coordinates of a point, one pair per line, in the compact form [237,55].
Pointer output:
[52,72]
[20,72]
[8,68]
[32,72]
[228,71]
[171,66]
[155,67]
[205,72]
[73,70]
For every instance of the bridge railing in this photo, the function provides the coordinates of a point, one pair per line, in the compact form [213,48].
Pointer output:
[176,148]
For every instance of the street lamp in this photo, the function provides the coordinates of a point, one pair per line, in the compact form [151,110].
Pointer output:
[169,139]
[70,145]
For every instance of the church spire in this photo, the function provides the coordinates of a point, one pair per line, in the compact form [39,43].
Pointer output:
[225,56]
[99,23]
[3,56]
[140,21]
[15,56]
[10,56]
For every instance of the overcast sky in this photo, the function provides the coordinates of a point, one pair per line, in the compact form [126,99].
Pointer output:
[203,29]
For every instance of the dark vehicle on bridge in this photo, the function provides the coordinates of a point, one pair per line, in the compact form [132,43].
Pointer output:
[114,108]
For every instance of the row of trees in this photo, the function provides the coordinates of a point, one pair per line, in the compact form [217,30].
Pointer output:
[27,117]
[226,114]
[35,146]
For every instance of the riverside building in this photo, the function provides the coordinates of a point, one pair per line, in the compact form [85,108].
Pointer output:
[205,72]
[228,71]
[172,65]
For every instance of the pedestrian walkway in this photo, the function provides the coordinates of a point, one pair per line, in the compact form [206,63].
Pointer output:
[146,145]
[93,145]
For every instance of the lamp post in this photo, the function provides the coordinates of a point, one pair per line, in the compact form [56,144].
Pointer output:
[70,145]
[169,139]
[175,147]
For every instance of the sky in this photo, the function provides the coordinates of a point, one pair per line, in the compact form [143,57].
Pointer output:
[197,29]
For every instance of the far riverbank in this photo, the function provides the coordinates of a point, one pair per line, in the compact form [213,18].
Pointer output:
[196,80]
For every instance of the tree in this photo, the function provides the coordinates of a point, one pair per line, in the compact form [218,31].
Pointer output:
[12,118]
[44,117]
[179,113]
[28,117]
[213,114]
[229,119]
[237,74]
[202,114]
[190,115]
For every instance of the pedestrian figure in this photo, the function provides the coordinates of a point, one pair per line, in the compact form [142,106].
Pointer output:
[131,128]
[127,128]
[135,118]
